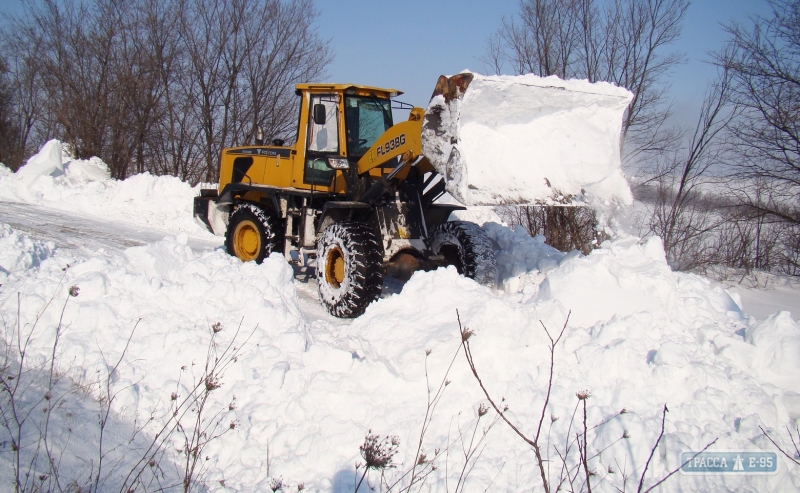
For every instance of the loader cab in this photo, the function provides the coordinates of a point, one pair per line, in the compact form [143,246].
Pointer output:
[337,121]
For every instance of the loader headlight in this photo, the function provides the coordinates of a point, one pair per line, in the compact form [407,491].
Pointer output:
[338,163]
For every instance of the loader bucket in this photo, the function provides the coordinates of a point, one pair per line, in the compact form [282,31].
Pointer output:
[526,139]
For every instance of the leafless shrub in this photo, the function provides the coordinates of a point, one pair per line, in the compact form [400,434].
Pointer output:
[564,228]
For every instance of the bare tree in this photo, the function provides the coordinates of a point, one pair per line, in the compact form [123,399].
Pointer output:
[9,133]
[680,215]
[763,58]
[282,54]
[622,41]
[159,86]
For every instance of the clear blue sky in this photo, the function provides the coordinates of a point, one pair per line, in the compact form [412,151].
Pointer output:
[407,45]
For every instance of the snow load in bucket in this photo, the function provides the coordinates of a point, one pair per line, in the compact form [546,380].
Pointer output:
[526,139]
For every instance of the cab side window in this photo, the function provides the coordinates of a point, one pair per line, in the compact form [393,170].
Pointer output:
[323,139]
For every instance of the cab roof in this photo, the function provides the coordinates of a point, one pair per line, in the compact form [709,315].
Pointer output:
[355,88]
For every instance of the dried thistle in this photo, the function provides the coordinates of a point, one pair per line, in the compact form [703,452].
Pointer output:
[74,291]
[216,327]
[583,395]
[482,410]
[276,484]
[553,418]
[422,459]
[427,352]
[212,383]
[625,434]
[173,396]
[466,333]
[378,452]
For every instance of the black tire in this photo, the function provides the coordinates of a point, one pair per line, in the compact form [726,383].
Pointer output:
[250,234]
[467,247]
[349,270]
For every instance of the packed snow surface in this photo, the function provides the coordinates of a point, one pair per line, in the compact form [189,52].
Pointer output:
[305,388]
[529,139]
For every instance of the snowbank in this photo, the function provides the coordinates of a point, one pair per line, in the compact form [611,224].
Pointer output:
[528,139]
[55,179]
[306,392]
[19,253]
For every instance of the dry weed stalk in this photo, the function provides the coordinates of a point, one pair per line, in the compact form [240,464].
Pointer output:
[466,334]
[796,458]
[30,392]
[568,473]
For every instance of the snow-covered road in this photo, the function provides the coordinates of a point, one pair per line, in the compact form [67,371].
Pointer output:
[84,234]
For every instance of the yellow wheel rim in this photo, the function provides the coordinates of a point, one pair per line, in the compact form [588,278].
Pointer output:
[334,267]
[247,241]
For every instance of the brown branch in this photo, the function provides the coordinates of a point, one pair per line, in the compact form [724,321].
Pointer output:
[690,459]
[653,451]
[778,446]
[466,333]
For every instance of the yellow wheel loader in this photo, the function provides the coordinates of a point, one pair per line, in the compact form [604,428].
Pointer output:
[357,192]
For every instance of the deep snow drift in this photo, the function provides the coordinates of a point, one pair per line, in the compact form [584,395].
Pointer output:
[529,139]
[54,179]
[307,391]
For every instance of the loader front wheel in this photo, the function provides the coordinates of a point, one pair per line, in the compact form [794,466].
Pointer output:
[467,247]
[250,234]
[349,273]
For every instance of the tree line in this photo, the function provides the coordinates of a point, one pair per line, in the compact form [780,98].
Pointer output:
[724,193]
[154,85]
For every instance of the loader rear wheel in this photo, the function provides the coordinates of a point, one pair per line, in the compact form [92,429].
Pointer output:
[250,234]
[467,247]
[349,271]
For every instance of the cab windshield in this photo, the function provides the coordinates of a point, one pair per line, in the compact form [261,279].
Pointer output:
[366,119]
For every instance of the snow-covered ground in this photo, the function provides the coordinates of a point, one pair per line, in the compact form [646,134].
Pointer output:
[305,388]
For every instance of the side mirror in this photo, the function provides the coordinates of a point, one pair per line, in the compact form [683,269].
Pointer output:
[319,114]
